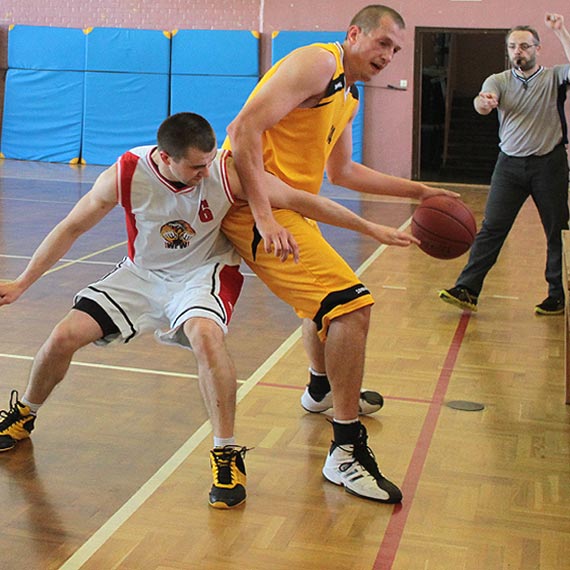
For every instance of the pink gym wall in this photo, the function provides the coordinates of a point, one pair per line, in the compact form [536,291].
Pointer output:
[388,113]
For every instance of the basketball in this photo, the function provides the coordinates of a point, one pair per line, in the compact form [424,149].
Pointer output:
[445,226]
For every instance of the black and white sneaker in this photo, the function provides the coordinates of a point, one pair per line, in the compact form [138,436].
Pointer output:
[370,402]
[354,467]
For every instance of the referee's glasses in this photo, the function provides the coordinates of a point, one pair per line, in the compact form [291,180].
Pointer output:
[523,47]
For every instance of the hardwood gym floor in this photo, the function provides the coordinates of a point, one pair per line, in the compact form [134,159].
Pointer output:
[116,474]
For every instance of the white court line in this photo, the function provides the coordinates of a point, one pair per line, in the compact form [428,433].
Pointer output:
[63,259]
[36,201]
[112,367]
[73,262]
[106,531]
[68,263]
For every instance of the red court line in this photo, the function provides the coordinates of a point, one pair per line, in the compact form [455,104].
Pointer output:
[297,387]
[396,525]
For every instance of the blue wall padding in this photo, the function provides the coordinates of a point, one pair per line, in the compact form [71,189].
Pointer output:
[285,42]
[122,110]
[215,52]
[129,51]
[45,48]
[122,93]
[219,99]
[213,73]
[42,115]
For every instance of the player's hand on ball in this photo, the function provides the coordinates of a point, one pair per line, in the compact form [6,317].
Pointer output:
[429,191]
[392,236]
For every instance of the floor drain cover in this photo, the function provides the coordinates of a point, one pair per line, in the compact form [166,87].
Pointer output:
[466,406]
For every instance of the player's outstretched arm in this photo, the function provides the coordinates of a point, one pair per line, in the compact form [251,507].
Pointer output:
[99,201]
[330,212]
[343,171]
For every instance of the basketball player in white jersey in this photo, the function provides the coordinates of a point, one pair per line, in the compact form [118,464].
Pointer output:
[180,278]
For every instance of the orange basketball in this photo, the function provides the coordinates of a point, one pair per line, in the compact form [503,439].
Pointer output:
[445,226]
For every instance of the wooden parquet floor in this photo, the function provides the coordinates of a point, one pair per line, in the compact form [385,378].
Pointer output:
[116,475]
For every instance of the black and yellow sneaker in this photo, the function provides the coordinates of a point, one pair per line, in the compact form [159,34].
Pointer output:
[228,472]
[460,297]
[550,306]
[15,424]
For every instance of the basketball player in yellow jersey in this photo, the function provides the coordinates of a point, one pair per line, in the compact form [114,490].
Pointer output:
[296,124]
[301,136]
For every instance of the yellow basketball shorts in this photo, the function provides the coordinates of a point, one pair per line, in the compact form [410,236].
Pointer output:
[321,287]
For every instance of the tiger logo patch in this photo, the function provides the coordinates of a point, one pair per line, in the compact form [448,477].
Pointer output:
[177,234]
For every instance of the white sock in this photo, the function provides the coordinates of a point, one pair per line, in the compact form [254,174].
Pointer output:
[346,422]
[33,407]
[223,441]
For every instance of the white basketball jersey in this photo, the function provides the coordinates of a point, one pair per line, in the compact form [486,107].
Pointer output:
[171,229]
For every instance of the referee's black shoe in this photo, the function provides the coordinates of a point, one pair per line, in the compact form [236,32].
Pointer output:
[550,306]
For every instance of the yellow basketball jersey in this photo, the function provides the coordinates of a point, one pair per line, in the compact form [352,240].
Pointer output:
[322,286]
[297,148]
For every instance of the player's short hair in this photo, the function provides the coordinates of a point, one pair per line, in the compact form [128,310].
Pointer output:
[524,29]
[182,131]
[368,19]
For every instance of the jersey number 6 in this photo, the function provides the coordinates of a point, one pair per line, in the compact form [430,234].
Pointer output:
[205,214]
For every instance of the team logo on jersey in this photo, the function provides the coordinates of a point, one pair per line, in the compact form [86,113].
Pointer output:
[177,234]
[336,84]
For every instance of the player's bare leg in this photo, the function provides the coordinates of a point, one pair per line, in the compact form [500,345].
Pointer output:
[350,462]
[318,396]
[218,385]
[75,330]
[344,355]
[216,373]
[314,348]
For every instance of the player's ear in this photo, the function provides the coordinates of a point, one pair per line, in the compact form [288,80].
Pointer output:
[352,33]
[164,157]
